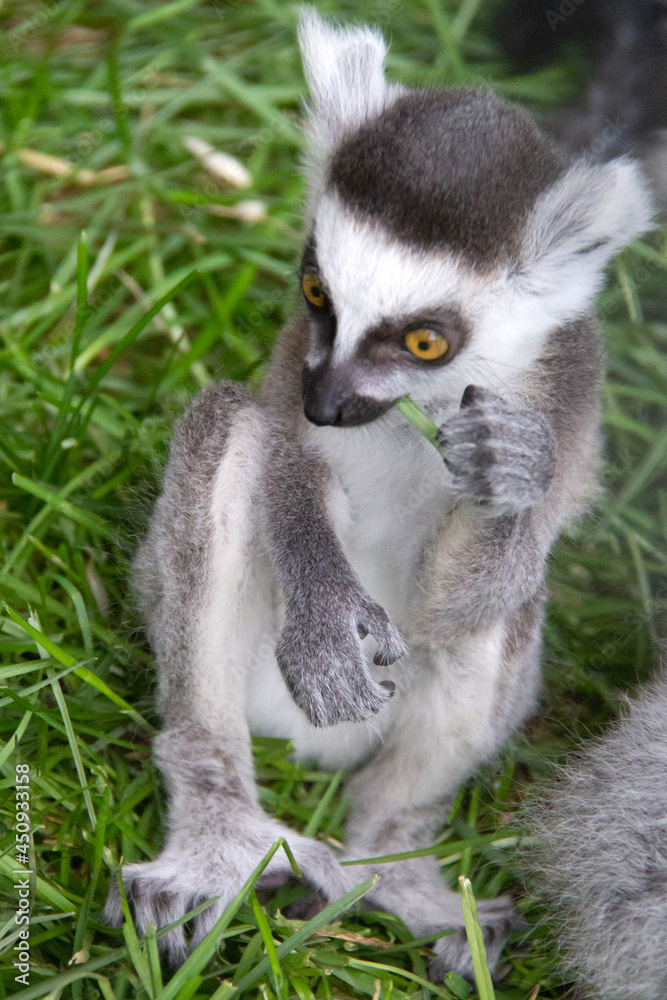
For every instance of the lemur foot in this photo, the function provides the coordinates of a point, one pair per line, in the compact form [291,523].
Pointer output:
[323,662]
[498,917]
[183,877]
[500,457]
[415,892]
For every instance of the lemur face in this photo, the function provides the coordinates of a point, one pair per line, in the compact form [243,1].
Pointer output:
[448,236]
[384,319]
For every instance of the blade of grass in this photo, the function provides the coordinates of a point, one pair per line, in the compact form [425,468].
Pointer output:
[59,430]
[201,956]
[69,729]
[157,14]
[81,612]
[313,824]
[90,521]
[360,963]
[475,937]
[326,916]
[136,329]
[100,832]
[74,744]
[136,952]
[83,672]
[119,110]
[438,850]
[416,416]
[12,743]
[269,943]
[150,941]
[448,39]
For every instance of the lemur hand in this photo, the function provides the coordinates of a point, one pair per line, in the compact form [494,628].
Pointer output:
[322,660]
[500,457]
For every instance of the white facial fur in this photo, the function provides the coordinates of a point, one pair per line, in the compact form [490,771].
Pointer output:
[511,311]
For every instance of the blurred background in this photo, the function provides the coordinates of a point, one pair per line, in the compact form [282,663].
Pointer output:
[150,227]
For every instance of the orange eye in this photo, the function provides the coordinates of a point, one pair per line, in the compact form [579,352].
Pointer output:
[312,289]
[426,344]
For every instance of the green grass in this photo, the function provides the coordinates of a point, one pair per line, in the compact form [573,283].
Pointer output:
[103,340]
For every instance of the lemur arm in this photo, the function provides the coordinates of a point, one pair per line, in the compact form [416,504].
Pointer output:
[327,611]
[522,471]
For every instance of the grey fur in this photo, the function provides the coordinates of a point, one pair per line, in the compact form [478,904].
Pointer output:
[602,860]
[276,546]
[327,611]
[501,457]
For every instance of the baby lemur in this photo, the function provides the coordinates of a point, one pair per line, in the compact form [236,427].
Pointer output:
[313,569]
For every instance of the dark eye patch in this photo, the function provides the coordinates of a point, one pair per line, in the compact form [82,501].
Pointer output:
[385,342]
[323,316]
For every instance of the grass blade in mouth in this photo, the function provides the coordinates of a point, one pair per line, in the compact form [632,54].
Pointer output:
[416,416]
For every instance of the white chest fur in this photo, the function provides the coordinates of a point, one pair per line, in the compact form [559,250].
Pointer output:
[391,492]
[389,497]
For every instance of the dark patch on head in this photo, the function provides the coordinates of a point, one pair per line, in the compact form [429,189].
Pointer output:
[459,168]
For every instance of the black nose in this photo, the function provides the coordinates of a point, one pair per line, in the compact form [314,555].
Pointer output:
[324,400]
[329,400]
[324,413]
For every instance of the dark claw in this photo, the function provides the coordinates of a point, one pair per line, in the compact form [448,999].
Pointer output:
[468,397]
[389,686]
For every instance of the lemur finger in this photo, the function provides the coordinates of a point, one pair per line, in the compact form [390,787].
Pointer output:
[341,690]
[154,901]
[205,921]
[384,658]
[348,706]
[475,395]
[391,646]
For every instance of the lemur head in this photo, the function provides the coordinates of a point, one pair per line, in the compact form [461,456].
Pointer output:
[448,237]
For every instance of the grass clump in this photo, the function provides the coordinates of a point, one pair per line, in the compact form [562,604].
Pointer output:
[181,278]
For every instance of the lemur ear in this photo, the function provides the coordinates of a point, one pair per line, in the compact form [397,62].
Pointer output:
[345,75]
[344,70]
[579,223]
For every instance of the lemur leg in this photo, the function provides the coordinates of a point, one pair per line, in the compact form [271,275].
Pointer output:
[457,717]
[205,596]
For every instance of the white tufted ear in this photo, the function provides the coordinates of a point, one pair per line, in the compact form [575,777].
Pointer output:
[577,226]
[345,75]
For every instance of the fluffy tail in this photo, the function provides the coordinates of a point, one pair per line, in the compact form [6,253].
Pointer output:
[602,861]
